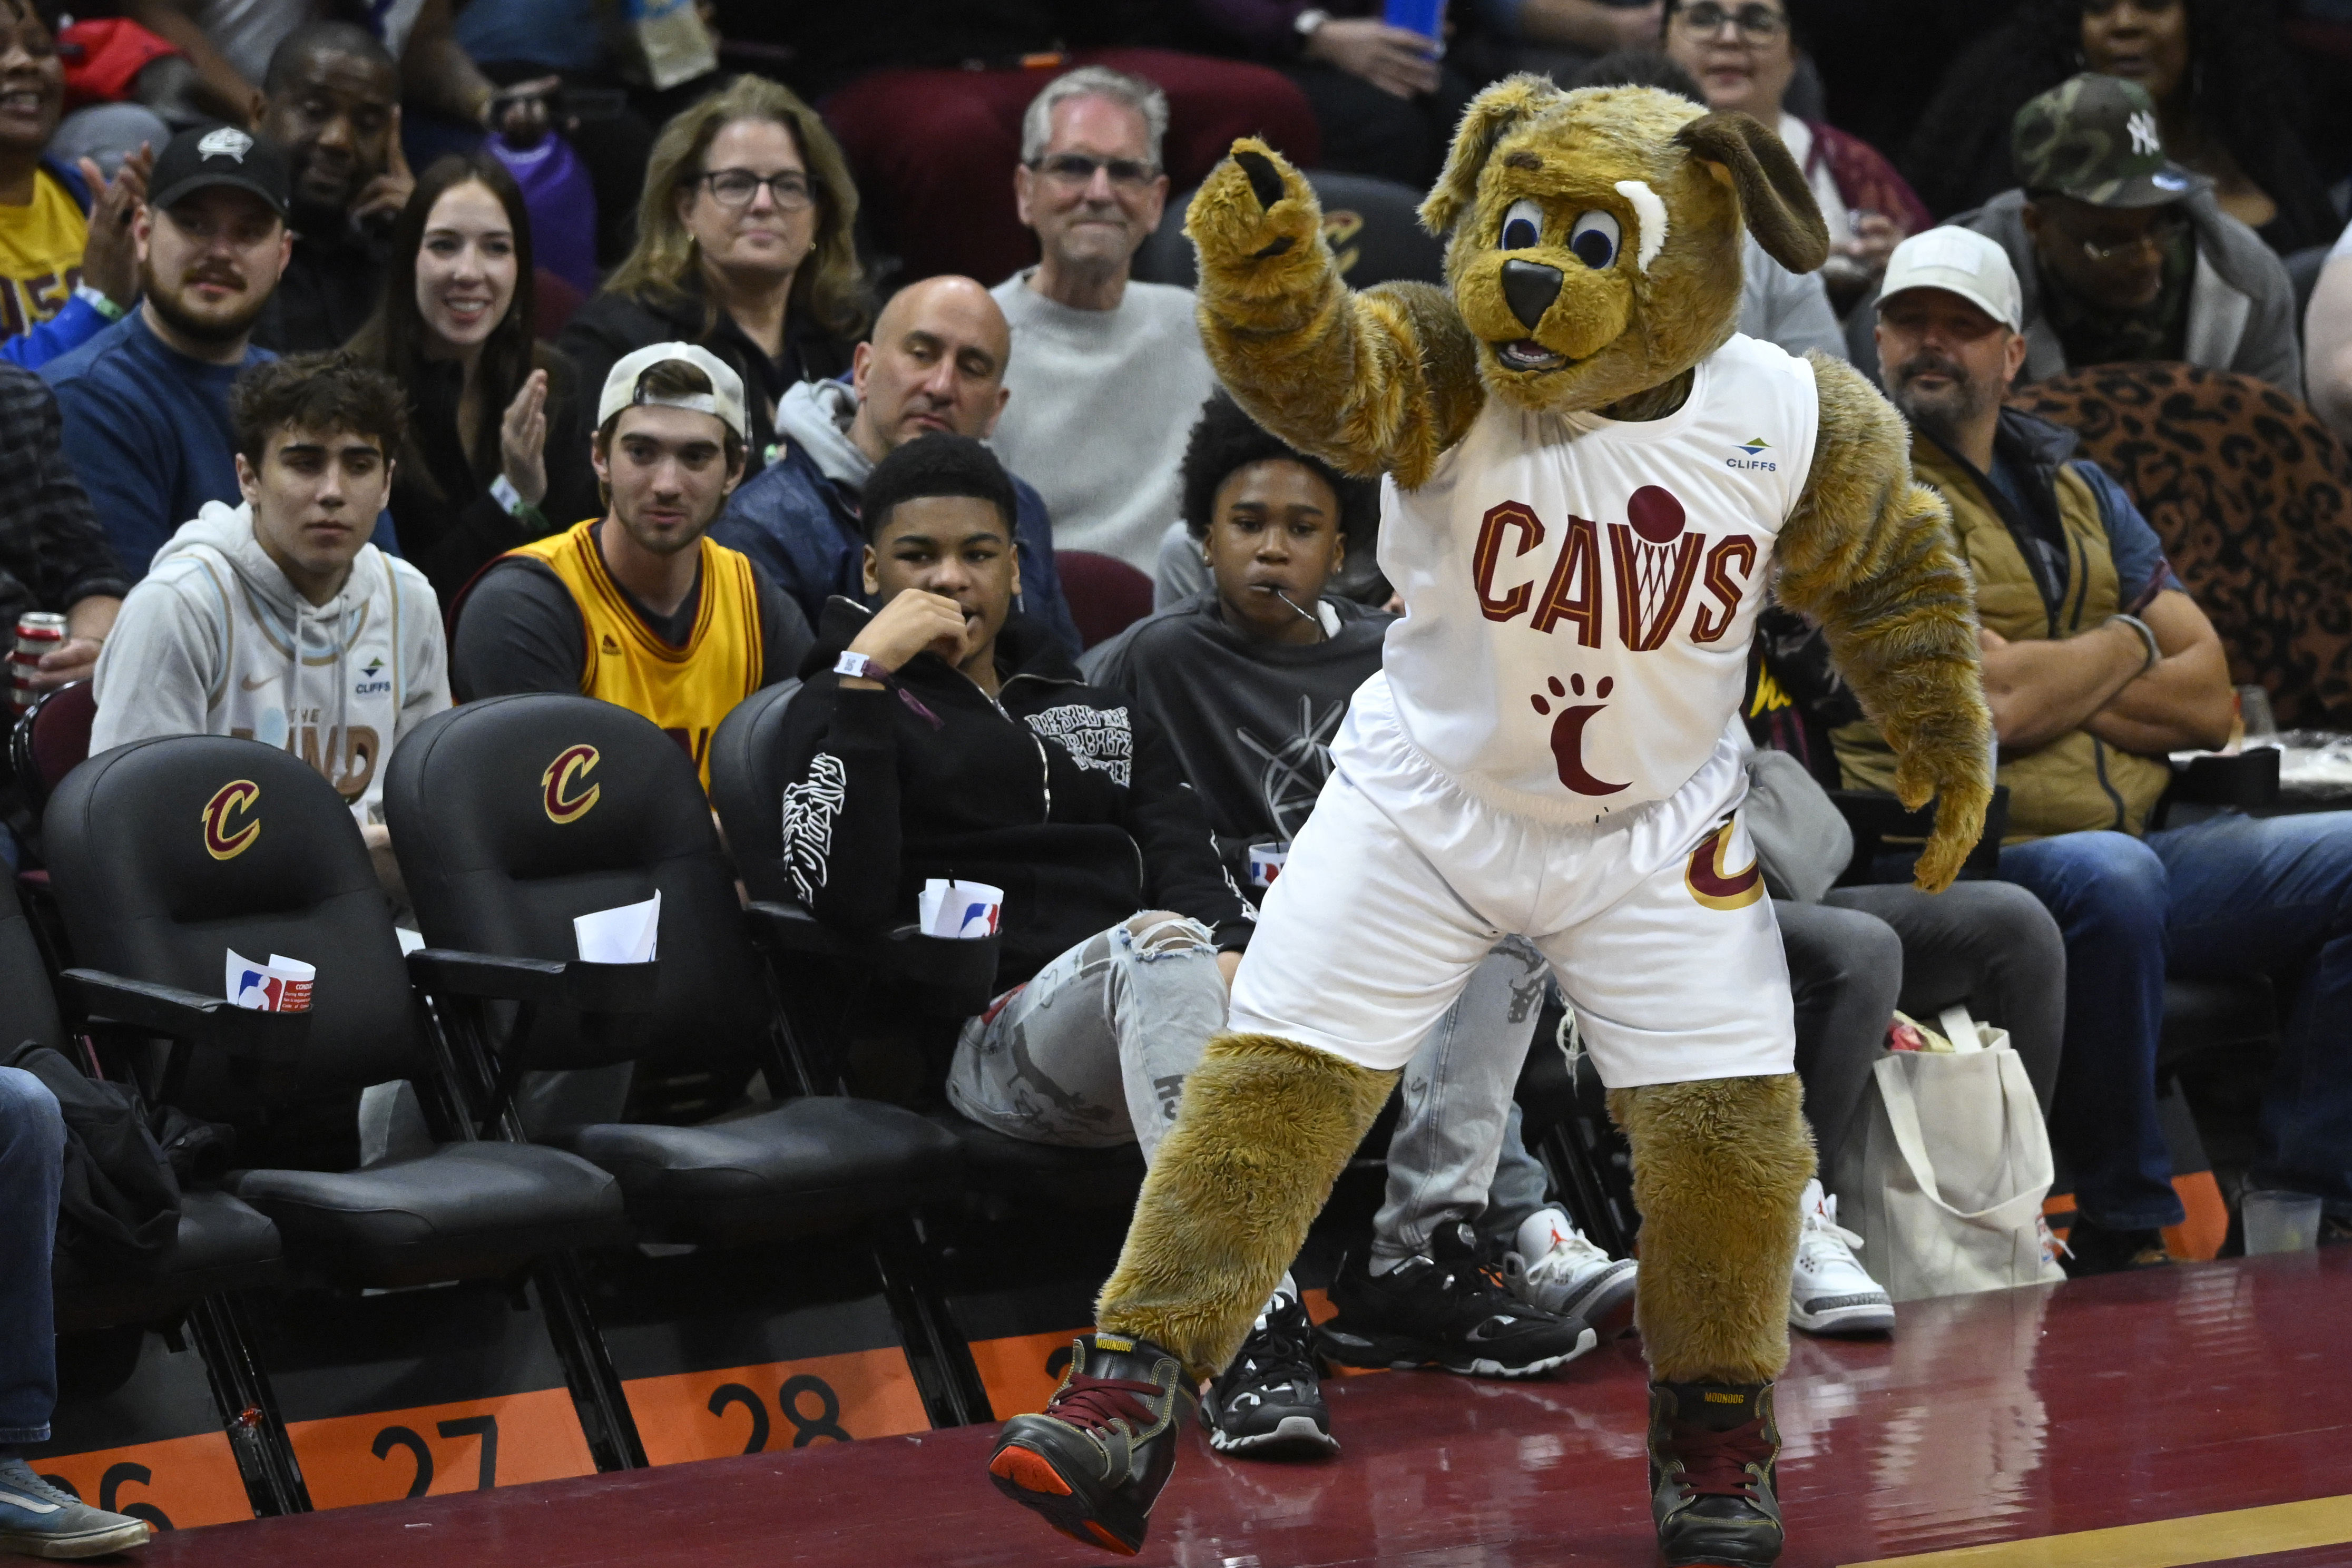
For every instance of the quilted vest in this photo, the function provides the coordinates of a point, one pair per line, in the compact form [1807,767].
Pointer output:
[2076,783]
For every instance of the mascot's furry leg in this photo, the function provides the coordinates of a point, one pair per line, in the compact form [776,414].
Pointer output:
[1720,1168]
[1266,1127]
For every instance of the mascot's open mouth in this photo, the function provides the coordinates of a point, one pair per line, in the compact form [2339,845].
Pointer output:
[1528,355]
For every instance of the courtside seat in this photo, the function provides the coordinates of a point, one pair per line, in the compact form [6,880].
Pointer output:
[168,855]
[223,1245]
[813,1165]
[464,1209]
[515,814]
[938,981]
[1049,1172]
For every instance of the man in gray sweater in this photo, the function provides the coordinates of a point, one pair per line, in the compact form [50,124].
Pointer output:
[1106,372]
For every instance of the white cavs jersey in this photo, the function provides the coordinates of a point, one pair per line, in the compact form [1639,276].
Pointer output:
[1580,591]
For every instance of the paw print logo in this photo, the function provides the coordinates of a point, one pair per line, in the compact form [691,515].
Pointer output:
[1568,731]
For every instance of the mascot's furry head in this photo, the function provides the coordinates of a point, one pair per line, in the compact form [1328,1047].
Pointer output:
[1596,244]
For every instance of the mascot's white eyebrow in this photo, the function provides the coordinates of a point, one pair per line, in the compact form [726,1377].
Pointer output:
[1652,213]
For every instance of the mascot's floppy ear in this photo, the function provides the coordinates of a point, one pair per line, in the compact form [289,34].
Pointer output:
[1490,115]
[1779,207]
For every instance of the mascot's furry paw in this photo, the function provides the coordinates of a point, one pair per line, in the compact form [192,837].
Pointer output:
[1960,793]
[1255,218]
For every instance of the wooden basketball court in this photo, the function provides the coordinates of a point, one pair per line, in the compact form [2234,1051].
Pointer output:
[2199,1415]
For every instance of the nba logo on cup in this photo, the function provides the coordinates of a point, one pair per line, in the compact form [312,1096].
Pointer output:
[280,985]
[1265,862]
[961,909]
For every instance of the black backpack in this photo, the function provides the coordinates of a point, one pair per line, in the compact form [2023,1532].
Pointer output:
[119,1210]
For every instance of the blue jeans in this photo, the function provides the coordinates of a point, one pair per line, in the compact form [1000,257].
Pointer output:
[32,1166]
[2233,895]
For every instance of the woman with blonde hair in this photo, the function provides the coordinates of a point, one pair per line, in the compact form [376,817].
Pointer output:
[743,246]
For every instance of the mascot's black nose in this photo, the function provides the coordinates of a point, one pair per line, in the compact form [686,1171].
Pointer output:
[1529,288]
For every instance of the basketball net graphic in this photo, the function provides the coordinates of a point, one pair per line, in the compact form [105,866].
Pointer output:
[1655,562]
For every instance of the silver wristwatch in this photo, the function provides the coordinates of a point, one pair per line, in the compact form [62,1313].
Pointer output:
[1310,21]
[859,667]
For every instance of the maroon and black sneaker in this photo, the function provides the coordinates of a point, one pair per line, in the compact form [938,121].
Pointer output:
[1712,1491]
[1095,1461]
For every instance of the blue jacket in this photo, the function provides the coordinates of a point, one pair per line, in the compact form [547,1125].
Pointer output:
[798,524]
[146,430]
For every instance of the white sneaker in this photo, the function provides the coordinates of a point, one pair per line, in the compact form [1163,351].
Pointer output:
[1569,1275]
[1828,1292]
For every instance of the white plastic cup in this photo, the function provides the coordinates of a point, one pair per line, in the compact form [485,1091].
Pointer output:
[966,911]
[281,985]
[2281,1222]
[1265,862]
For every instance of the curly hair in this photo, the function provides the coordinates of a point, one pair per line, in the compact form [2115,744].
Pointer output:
[1225,440]
[830,286]
[2242,91]
[321,393]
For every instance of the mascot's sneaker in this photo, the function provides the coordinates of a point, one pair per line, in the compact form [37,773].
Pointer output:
[37,1520]
[1712,1492]
[1558,1269]
[1095,1461]
[1828,1292]
[1268,1404]
[1445,1309]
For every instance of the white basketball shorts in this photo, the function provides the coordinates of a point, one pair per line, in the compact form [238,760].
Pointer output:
[1655,920]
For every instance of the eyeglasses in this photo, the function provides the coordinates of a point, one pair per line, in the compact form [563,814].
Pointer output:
[736,187]
[1079,169]
[2162,230]
[1756,23]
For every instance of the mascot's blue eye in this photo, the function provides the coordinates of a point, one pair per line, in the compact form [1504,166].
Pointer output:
[1593,238]
[1523,226]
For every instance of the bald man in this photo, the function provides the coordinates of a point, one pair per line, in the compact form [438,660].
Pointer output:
[936,363]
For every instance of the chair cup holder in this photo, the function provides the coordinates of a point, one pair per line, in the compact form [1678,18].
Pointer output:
[623,989]
[955,976]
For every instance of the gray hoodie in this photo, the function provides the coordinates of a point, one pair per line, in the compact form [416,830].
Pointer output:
[207,644]
[2242,312]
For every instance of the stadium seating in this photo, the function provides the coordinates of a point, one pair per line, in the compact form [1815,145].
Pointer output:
[931,983]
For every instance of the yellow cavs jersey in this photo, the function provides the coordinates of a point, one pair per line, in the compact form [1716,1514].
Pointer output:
[686,690]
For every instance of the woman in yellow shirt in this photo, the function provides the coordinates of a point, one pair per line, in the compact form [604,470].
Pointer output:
[67,264]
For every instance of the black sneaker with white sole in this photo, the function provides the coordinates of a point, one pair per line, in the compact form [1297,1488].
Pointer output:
[1268,1403]
[1448,1309]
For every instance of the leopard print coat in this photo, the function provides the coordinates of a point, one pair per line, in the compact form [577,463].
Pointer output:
[2252,498]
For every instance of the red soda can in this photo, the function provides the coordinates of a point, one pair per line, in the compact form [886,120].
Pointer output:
[39,632]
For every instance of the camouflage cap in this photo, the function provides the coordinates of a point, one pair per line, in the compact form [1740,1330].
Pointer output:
[2094,138]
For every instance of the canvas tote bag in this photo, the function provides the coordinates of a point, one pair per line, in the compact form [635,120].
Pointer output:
[1956,1163]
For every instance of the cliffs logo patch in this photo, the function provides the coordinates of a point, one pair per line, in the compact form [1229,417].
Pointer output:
[566,801]
[1714,886]
[226,836]
[1755,447]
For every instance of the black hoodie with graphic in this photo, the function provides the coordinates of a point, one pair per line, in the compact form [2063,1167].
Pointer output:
[1056,790]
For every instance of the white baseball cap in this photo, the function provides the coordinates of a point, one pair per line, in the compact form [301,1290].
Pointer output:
[724,401]
[1959,261]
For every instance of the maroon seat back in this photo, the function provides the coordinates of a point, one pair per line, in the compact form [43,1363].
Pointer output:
[1107,595]
[53,737]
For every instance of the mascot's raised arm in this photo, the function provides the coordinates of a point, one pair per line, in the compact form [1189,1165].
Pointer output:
[1594,483]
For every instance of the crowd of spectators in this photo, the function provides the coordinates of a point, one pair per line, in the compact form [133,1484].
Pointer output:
[663,382]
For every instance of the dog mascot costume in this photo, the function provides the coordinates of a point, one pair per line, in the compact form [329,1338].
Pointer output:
[1593,485]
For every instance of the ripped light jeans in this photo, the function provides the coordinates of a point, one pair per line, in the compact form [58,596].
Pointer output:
[1457,1153]
[1094,1050]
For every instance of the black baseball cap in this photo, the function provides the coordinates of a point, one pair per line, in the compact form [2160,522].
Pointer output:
[211,155]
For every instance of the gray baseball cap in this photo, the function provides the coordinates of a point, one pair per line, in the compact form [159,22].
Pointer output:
[2094,138]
